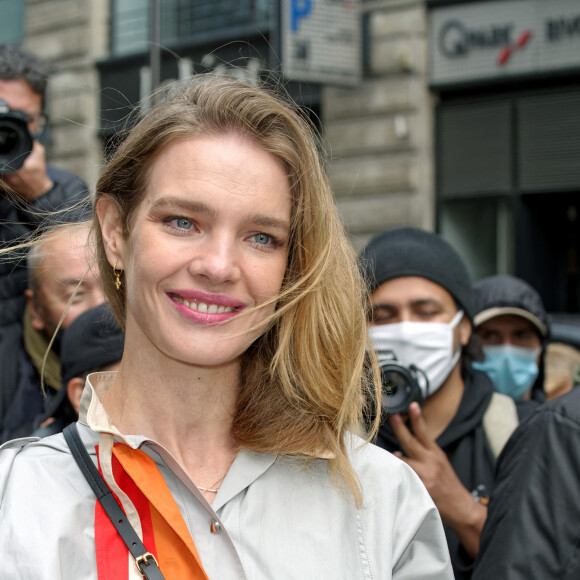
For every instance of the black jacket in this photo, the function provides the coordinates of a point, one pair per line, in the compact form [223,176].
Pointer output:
[533,526]
[19,219]
[467,448]
[22,403]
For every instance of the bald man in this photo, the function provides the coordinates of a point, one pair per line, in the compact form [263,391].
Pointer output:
[63,283]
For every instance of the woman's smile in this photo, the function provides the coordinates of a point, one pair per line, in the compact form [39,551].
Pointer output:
[204,308]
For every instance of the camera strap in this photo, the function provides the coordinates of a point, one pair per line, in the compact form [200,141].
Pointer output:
[144,560]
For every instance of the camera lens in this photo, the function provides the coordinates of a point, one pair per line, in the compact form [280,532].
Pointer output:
[15,143]
[8,140]
[399,388]
[391,382]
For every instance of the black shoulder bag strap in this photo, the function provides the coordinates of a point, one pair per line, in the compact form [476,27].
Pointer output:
[144,560]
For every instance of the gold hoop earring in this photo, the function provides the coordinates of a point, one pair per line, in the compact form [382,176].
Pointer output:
[117,274]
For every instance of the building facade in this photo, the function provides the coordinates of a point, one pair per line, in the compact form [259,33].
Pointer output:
[72,35]
[455,116]
[507,138]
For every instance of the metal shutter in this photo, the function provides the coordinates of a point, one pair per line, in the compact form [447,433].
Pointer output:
[475,148]
[549,142]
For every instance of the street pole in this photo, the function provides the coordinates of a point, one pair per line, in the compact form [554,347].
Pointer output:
[155,45]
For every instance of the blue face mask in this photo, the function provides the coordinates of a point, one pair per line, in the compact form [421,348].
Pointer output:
[512,369]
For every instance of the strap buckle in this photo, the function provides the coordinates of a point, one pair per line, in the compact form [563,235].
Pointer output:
[144,559]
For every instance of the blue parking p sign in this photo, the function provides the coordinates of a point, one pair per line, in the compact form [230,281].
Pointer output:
[299,9]
[321,41]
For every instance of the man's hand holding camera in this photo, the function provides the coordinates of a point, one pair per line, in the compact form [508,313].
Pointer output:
[22,157]
[455,503]
[31,181]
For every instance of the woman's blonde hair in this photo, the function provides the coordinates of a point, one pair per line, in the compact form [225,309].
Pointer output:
[304,384]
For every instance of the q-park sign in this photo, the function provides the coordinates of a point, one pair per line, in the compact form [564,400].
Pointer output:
[511,38]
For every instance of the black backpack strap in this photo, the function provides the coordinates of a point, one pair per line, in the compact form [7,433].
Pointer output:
[144,560]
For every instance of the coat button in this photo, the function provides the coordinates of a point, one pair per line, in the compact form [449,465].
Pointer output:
[215,528]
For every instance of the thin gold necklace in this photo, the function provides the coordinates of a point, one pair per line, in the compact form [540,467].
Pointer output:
[208,490]
[219,481]
[213,489]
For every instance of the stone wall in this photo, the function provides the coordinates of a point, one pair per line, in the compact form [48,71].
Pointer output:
[380,133]
[72,35]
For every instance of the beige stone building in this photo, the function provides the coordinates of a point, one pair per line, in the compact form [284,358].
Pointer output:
[72,35]
[379,132]
[463,118]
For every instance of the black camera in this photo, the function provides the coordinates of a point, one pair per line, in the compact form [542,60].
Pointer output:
[15,138]
[400,384]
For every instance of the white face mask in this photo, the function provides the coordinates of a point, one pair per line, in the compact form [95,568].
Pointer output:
[427,345]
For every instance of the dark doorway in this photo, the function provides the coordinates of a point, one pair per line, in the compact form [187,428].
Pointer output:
[548,247]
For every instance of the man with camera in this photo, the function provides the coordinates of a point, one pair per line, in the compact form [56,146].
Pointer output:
[447,423]
[30,189]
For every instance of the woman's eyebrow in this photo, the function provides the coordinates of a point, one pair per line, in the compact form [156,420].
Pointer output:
[177,203]
[267,221]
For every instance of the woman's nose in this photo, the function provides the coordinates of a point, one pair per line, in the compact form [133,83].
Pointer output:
[217,259]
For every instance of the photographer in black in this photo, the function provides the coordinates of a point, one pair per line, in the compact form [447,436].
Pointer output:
[30,189]
[449,426]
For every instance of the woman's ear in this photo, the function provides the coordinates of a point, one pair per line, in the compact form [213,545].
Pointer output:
[111,230]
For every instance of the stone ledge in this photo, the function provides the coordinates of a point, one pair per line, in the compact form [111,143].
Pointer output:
[374,96]
[407,21]
[42,17]
[375,214]
[395,133]
[373,175]
[389,56]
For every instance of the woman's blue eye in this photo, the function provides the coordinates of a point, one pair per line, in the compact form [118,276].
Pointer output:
[262,239]
[179,223]
[183,223]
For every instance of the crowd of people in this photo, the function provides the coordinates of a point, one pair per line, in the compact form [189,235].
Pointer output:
[180,364]
[477,432]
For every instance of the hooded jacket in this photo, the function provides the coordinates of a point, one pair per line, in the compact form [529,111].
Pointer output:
[533,523]
[505,294]
[22,401]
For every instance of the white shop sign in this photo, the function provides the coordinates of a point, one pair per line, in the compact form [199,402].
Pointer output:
[502,39]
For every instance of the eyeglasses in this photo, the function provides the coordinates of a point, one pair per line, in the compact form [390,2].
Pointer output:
[38,121]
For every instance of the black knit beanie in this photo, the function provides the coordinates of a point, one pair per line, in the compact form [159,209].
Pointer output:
[92,340]
[411,251]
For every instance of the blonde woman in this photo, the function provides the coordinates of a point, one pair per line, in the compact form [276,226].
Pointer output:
[228,435]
